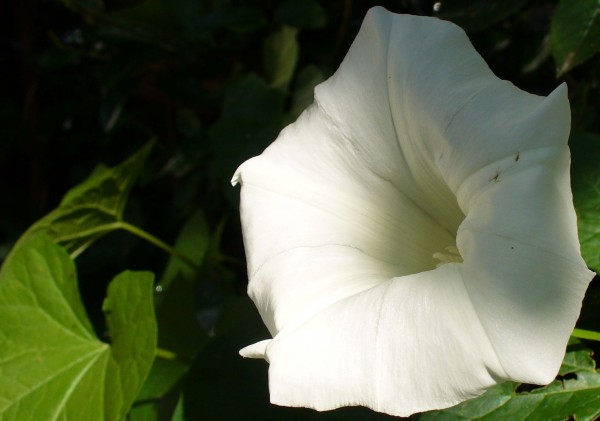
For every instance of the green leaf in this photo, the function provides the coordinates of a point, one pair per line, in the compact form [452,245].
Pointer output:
[577,395]
[575,33]
[178,324]
[578,359]
[280,55]
[91,209]
[193,241]
[163,375]
[145,412]
[308,14]
[477,15]
[178,414]
[586,334]
[176,316]
[585,182]
[129,311]
[52,366]
[180,333]
[157,399]
[179,329]
[252,117]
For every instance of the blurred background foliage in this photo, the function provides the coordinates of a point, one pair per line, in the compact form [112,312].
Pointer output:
[213,82]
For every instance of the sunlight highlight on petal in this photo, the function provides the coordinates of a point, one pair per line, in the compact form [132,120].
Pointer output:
[411,238]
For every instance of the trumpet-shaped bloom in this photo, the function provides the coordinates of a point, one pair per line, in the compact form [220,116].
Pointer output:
[411,238]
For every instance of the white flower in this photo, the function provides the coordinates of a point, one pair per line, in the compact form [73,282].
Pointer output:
[411,239]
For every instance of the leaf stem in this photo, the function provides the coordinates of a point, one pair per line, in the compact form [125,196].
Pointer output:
[586,334]
[166,354]
[157,242]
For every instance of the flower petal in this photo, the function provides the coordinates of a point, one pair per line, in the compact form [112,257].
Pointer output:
[522,265]
[411,148]
[408,344]
[342,218]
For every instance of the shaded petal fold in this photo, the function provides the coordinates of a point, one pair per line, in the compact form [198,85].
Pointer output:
[411,148]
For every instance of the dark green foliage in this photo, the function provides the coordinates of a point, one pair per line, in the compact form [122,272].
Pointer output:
[212,83]
[303,14]
[575,33]
[576,394]
[585,150]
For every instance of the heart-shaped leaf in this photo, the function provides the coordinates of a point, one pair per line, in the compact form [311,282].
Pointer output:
[94,207]
[52,365]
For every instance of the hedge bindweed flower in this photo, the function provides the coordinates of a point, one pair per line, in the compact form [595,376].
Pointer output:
[411,238]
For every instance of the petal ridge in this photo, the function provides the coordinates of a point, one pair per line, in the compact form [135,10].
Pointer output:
[389,143]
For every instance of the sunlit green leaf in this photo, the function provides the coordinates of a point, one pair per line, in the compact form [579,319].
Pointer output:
[143,412]
[575,33]
[576,396]
[578,359]
[52,365]
[91,209]
[132,332]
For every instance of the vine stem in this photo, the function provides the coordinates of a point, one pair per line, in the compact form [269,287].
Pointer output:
[586,334]
[156,241]
[166,354]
